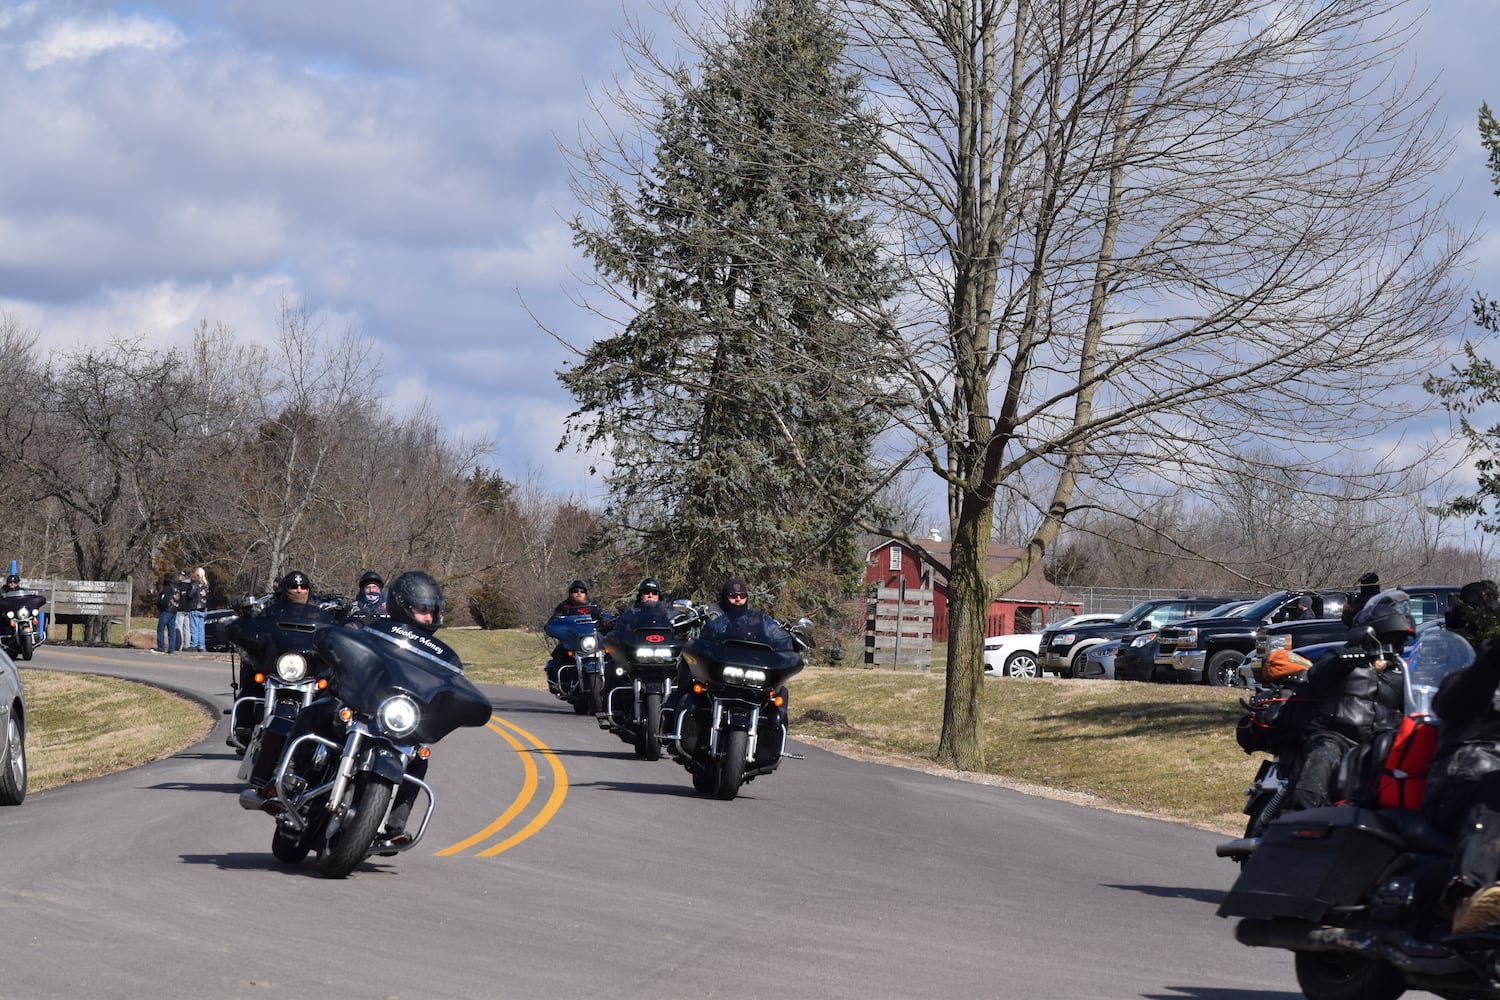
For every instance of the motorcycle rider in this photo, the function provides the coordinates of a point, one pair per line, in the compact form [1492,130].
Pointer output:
[648,591]
[1354,694]
[1369,586]
[1463,780]
[289,604]
[369,597]
[736,619]
[576,603]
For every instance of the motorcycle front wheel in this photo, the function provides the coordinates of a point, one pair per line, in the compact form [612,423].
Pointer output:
[1331,975]
[595,699]
[648,736]
[732,764]
[25,645]
[349,842]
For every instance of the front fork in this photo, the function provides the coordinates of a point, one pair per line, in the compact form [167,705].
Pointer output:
[361,751]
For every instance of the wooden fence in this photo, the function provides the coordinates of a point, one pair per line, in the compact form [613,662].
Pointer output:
[898,627]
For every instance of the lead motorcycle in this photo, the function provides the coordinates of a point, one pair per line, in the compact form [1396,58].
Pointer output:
[730,726]
[642,647]
[350,754]
[1355,891]
[579,677]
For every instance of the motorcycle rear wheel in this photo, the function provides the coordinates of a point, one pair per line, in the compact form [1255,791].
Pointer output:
[732,765]
[1329,975]
[369,797]
[648,736]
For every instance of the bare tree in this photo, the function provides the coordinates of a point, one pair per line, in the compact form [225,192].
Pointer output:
[1142,233]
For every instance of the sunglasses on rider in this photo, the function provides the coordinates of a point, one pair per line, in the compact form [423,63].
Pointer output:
[424,609]
[739,597]
[298,586]
[578,590]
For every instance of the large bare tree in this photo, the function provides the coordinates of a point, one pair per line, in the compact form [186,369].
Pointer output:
[1142,235]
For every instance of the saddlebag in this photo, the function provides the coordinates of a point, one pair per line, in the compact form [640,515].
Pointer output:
[1311,861]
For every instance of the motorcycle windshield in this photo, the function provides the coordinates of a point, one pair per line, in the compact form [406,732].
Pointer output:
[743,643]
[570,630]
[1435,654]
[369,668]
[289,627]
[16,602]
[648,616]
[643,637]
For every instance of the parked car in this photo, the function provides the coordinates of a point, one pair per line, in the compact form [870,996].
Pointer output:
[13,726]
[1012,655]
[1063,645]
[1099,660]
[1136,659]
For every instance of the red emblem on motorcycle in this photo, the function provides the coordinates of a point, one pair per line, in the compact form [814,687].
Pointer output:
[656,638]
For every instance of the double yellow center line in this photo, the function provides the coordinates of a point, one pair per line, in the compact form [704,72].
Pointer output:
[527,748]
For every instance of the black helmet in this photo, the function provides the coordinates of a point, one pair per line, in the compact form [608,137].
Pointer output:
[1388,615]
[14,580]
[295,580]
[648,586]
[370,576]
[578,585]
[413,591]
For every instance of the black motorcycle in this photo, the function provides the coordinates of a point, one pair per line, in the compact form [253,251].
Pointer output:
[1355,891]
[278,671]
[355,760]
[579,678]
[642,647]
[731,725]
[25,624]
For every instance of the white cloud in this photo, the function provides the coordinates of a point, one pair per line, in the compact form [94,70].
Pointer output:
[78,40]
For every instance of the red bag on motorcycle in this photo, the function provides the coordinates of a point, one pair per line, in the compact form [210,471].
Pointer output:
[1403,776]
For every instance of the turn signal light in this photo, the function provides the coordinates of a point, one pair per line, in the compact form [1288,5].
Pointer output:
[322,683]
[260,678]
[345,714]
[698,687]
[424,752]
[777,700]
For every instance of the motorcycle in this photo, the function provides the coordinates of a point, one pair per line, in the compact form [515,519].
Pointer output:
[355,759]
[1356,890]
[643,646]
[731,724]
[25,624]
[277,674]
[579,679]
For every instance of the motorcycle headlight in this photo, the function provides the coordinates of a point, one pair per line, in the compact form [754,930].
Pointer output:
[740,675]
[24,613]
[653,653]
[291,667]
[399,716]
[588,644]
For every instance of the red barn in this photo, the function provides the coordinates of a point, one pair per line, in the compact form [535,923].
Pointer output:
[1027,608]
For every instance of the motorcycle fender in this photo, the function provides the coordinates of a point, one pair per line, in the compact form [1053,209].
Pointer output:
[385,763]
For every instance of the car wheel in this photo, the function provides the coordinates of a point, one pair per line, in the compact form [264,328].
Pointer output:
[1022,664]
[13,763]
[1075,664]
[1223,669]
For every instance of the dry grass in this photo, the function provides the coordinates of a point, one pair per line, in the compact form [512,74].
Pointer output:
[1159,749]
[82,726]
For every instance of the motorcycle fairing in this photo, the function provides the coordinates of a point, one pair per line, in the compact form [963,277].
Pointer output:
[369,670]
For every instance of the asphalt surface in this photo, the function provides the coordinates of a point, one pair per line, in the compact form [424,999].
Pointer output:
[560,866]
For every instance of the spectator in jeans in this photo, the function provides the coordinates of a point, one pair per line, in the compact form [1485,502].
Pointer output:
[184,621]
[197,608]
[168,599]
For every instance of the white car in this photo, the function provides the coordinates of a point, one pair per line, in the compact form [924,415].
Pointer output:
[1012,655]
[1016,655]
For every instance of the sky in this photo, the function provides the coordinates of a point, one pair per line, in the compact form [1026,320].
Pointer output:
[393,165]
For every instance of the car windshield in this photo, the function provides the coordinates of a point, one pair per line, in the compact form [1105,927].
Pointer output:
[1226,610]
[1263,607]
[1138,612]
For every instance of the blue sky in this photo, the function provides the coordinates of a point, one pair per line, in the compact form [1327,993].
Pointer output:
[393,164]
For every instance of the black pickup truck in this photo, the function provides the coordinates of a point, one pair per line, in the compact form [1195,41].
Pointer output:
[1210,650]
[1427,603]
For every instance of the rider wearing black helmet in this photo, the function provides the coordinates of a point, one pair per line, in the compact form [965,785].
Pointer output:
[369,596]
[648,590]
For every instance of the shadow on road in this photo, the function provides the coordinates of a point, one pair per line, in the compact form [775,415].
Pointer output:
[1173,892]
[1219,993]
[265,862]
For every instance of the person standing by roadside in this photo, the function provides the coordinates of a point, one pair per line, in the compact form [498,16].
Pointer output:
[184,622]
[197,607]
[167,602]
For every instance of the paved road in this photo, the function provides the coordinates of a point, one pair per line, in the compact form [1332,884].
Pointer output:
[559,866]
